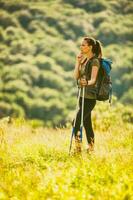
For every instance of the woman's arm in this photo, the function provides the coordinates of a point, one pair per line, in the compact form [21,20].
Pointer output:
[92,81]
[93,76]
[79,59]
[76,70]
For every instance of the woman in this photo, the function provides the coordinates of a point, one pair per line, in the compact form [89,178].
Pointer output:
[86,72]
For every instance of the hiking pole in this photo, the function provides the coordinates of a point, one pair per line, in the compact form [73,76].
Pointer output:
[73,128]
[82,114]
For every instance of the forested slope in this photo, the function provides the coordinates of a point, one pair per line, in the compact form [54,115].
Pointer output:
[38,43]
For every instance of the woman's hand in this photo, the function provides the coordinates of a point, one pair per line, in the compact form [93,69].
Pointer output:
[79,58]
[83,82]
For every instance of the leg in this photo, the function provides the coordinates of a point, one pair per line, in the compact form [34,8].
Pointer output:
[89,129]
[87,121]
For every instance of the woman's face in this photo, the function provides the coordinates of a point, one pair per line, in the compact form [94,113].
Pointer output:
[85,48]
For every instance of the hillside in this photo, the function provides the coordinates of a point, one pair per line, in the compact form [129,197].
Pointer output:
[38,43]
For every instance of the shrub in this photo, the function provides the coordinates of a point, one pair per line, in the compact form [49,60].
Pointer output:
[24,17]
[127,97]
[12,6]
[95,6]
[11,35]
[22,46]
[15,85]
[6,19]
[33,26]
[22,99]
[44,62]
[2,38]
[51,80]
[35,123]
[7,109]
[31,71]
[46,93]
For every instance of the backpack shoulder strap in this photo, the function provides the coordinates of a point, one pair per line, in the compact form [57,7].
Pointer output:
[88,65]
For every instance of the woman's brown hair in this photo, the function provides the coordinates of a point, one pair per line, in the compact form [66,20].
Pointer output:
[96,46]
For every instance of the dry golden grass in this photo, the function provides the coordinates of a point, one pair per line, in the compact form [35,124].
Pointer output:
[35,164]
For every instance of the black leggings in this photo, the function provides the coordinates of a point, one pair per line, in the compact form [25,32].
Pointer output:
[89,104]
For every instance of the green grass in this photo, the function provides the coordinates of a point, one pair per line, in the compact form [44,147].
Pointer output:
[34,164]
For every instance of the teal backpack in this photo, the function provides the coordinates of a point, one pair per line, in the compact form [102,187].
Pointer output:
[104,83]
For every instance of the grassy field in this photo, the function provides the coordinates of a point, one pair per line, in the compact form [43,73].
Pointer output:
[34,164]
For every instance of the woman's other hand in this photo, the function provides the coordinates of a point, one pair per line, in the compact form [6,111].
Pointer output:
[83,82]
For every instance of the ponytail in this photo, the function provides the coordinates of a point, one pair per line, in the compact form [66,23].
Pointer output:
[98,49]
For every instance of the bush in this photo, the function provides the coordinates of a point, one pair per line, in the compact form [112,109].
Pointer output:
[127,97]
[5,109]
[6,97]
[17,111]
[11,35]
[30,70]
[11,110]
[127,114]
[115,30]
[35,123]
[95,6]
[22,46]
[64,59]
[24,17]
[46,93]
[125,7]
[2,38]
[51,80]
[33,26]
[9,74]
[23,100]
[53,110]
[15,85]
[6,19]
[44,62]
[12,6]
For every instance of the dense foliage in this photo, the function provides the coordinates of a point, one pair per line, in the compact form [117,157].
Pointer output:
[39,41]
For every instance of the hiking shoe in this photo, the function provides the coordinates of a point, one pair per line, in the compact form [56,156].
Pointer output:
[90,148]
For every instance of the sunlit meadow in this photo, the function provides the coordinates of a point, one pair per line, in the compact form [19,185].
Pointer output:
[35,164]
